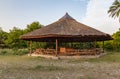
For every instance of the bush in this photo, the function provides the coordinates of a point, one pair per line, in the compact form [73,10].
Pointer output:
[14,51]
[20,52]
[108,46]
[3,52]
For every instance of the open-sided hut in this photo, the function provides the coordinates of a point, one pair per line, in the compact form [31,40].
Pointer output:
[66,29]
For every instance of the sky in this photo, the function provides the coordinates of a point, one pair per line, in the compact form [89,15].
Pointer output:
[20,13]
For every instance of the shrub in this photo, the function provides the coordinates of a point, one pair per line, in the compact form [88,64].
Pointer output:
[3,52]
[108,46]
[20,52]
[14,51]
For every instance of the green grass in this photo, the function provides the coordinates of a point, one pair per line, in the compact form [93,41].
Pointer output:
[110,57]
[47,68]
[27,60]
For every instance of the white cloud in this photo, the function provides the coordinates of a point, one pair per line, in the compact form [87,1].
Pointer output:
[97,16]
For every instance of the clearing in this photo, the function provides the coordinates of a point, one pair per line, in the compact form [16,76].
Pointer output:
[24,67]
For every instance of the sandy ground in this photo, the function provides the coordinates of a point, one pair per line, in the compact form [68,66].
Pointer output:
[39,68]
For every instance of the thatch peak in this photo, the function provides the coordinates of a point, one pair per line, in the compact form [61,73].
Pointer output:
[66,16]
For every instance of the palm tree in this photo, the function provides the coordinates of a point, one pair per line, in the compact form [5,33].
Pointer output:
[114,10]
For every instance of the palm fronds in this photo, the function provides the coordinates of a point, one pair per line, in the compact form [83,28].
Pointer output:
[114,10]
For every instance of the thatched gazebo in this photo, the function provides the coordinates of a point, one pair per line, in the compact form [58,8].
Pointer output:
[66,29]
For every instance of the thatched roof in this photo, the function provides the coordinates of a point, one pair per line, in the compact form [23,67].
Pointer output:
[66,29]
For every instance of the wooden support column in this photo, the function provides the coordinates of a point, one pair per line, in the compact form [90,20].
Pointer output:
[103,46]
[95,46]
[56,47]
[30,47]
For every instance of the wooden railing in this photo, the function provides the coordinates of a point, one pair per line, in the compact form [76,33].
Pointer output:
[69,51]
[44,51]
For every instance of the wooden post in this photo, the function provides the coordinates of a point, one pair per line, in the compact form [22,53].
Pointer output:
[30,47]
[90,45]
[56,47]
[95,46]
[103,46]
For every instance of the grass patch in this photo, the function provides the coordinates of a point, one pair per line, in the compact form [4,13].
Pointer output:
[47,68]
[16,58]
[110,57]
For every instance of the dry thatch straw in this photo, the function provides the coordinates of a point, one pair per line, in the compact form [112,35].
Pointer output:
[66,29]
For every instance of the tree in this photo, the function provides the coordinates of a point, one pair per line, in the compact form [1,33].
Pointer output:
[113,44]
[3,37]
[13,40]
[116,41]
[114,10]
[33,26]
[1,32]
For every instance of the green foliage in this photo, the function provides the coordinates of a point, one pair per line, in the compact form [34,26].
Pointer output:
[14,51]
[20,51]
[3,52]
[33,26]
[78,45]
[113,45]
[116,41]
[114,9]
[3,37]
[108,45]
[13,40]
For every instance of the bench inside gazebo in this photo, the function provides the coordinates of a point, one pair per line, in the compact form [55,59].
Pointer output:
[66,29]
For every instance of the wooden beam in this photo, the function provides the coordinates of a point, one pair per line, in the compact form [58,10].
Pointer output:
[30,47]
[56,47]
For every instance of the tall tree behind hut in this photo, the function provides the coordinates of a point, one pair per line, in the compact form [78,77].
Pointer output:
[14,41]
[114,9]
[3,37]
[33,26]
